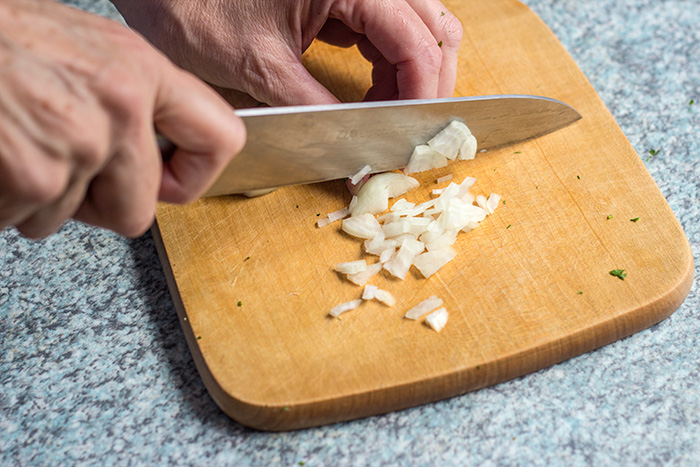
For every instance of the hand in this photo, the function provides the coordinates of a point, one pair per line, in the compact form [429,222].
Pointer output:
[255,46]
[79,98]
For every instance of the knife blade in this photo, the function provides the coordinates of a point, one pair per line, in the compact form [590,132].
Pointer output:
[308,144]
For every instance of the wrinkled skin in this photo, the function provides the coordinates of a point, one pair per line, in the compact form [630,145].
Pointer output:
[255,46]
[79,99]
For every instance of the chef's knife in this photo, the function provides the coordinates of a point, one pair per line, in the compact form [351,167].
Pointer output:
[307,144]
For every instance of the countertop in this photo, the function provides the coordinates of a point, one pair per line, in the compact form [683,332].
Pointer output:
[94,368]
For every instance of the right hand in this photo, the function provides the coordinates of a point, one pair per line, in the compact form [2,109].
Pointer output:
[81,98]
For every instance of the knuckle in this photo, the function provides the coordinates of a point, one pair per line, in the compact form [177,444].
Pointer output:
[454,30]
[135,224]
[39,187]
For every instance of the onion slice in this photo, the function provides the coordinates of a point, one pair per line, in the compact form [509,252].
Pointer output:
[343,307]
[437,319]
[426,306]
[351,267]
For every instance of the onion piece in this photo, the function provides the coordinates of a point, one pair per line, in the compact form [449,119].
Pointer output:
[385,297]
[481,201]
[402,205]
[449,141]
[366,170]
[492,202]
[370,292]
[374,196]
[425,158]
[426,306]
[401,263]
[364,226]
[351,267]
[467,150]
[343,307]
[386,255]
[353,203]
[444,179]
[437,319]
[430,262]
[361,278]
[339,214]
[323,222]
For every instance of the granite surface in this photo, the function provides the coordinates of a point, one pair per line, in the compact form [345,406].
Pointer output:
[94,368]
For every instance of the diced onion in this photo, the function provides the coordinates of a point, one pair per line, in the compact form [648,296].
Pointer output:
[437,319]
[492,202]
[355,179]
[323,222]
[351,267]
[444,179]
[364,226]
[385,297]
[374,196]
[426,306]
[467,150]
[430,262]
[361,278]
[370,292]
[450,140]
[343,307]
[339,214]
[425,158]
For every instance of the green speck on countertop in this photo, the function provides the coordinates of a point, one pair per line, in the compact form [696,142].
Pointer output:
[199,338]
[285,409]
[240,303]
[609,216]
[509,226]
[247,258]
[635,219]
[580,292]
[619,273]
[578,176]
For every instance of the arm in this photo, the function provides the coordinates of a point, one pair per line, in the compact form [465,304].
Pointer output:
[80,97]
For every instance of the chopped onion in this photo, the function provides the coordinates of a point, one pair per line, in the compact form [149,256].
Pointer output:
[430,262]
[323,222]
[339,214]
[425,158]
[438,191]
[481,201]
[385,297]
[437,319]
[343,307]
[355,179]
[387,254]
[370,292]
[351,267]
[492,202]
[353,203]
[449,141]
[401,263]
[467,150]
[402,205]
[374,196]
[364,226]
[361,278]
[444,179]
[426,306]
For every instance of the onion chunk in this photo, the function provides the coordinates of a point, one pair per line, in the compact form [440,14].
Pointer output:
[343,307]
[426,306]
[437,319]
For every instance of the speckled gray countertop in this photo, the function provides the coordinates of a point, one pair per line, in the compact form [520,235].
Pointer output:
[94,368]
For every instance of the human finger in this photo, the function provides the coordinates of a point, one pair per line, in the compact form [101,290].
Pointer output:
[401,36]
[205,130]
[447,31]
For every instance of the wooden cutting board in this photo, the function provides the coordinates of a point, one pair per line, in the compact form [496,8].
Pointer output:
[253,283]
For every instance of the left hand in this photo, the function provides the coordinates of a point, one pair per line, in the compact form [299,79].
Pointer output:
[255,46]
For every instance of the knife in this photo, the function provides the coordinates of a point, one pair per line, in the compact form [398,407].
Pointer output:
[307,144]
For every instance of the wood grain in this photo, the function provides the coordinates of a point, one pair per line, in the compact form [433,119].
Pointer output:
[277,362]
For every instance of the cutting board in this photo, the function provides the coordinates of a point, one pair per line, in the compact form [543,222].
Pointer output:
[252,279]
